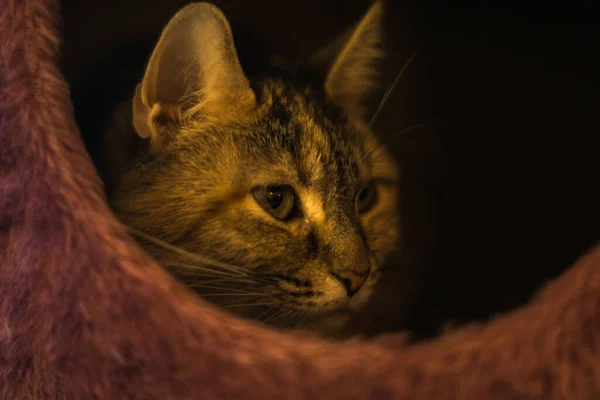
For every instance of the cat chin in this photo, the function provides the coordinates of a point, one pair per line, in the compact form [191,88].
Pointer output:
[329,325]
[333,323]
[360,299]
[336,320]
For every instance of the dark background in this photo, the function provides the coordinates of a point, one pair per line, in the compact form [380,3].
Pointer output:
[499,192]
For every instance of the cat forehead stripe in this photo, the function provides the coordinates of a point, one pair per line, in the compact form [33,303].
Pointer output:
[313,207]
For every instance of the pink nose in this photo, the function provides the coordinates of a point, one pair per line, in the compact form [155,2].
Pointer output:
[352,281]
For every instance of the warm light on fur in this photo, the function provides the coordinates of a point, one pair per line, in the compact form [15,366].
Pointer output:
[209,140]
[84,314]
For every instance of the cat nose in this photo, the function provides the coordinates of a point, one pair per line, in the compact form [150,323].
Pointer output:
[352,281]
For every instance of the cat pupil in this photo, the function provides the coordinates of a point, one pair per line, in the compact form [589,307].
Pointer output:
[274,196]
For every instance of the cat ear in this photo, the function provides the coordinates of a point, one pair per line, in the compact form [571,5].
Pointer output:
[352,75]
[194,67]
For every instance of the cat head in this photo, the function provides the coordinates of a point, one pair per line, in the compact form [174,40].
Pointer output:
[275,199]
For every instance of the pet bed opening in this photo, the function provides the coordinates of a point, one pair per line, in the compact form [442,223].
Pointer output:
[471,222]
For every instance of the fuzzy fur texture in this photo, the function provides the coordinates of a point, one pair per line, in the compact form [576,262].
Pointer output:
[210,141]
[85,314]
[195,194]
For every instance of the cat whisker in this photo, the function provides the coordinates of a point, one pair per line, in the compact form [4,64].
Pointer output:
[168,246]
[245,292]
[272,317]
[233,294]
[247,305]
[249,301]
[278,317]
[260,317]
[271,312]
[196,271]
[195,257]
[298,315]
[240,282]
[411,128]
[237,274]
[390,89]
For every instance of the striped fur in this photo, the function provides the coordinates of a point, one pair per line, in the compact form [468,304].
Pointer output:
[193,191]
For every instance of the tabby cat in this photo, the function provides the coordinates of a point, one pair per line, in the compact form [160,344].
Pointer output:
[270,197]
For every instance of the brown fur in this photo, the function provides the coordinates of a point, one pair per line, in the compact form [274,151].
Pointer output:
[189,179]
[84,314]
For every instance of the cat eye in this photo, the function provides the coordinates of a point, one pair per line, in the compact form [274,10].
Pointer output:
[366,198]
[276,200]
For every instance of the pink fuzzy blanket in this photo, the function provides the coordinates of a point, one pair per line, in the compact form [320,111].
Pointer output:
[85,314]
